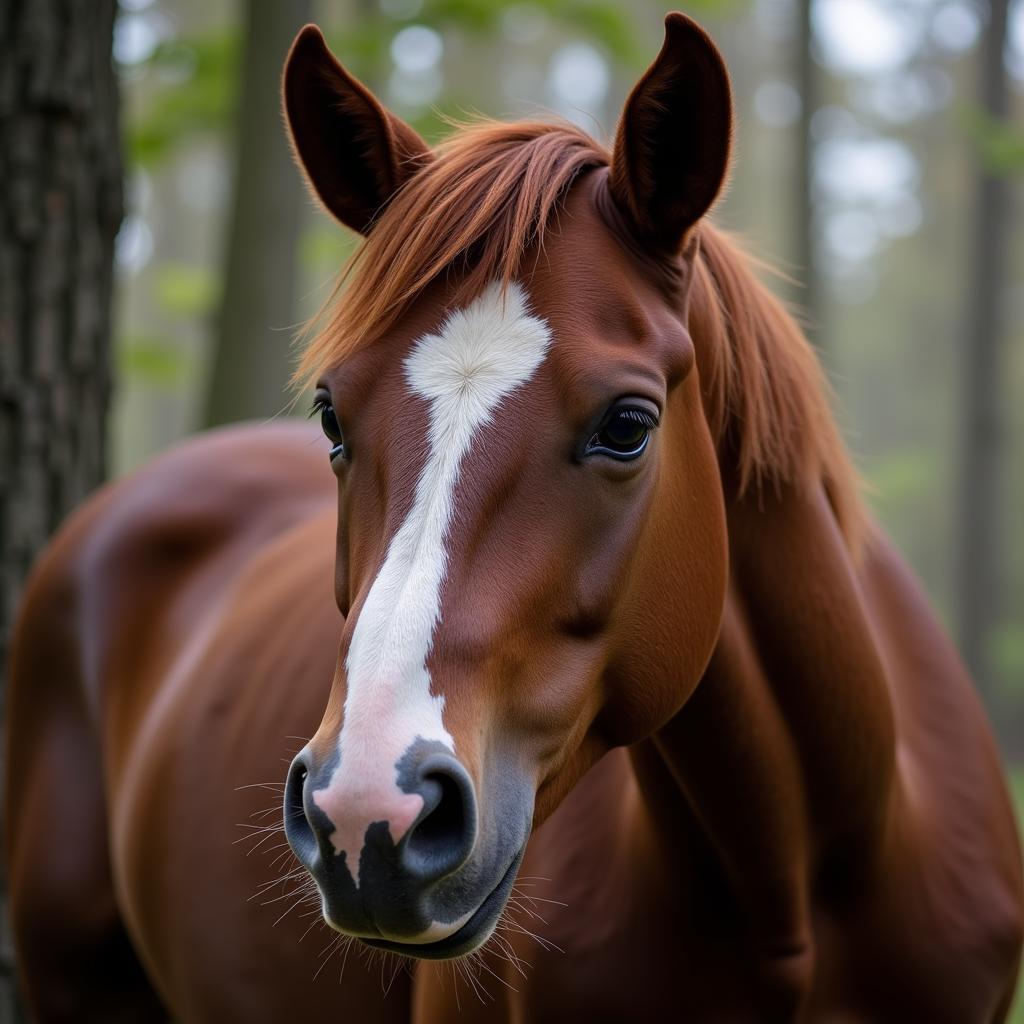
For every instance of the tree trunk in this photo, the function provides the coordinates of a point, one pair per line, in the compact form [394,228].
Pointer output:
[977,565]
[252,362]
[808,294]
[60,207]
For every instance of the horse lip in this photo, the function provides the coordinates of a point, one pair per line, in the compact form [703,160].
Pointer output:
[463,941]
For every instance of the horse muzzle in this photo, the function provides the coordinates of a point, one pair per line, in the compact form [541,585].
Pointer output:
[402,864]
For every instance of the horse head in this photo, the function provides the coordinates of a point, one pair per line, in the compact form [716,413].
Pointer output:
[531,546]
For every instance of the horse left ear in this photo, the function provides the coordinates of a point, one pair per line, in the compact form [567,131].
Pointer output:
[672,146]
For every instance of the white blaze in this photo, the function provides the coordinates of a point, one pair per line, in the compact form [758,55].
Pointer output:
[481,353]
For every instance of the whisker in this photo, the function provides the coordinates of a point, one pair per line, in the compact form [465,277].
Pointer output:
[324,955]
[264,887]
[505,950]
[347,946]
[256,829]
[312,924]
[301,899]
[518,927]
[284,896]
[498,977]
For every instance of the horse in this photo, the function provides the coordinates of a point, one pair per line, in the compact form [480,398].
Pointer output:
[611,702]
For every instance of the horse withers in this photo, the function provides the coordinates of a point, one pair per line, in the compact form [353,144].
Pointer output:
[631,712]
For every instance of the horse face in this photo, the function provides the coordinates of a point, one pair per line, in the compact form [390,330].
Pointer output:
[531,558]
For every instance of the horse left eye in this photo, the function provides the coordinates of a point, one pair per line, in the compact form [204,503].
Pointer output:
[623,434]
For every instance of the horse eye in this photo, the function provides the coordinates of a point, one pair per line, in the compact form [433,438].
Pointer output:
[330,425]
[623,434]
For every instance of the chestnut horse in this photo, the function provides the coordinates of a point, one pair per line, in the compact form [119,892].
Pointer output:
[613,620]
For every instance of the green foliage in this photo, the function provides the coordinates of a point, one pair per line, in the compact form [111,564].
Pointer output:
[184,289]
[197,82]
[364,44]
[1000,143]
[612,24]
[153,360]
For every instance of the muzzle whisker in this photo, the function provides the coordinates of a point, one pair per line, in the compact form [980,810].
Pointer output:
[272,809]
[301,899]
[520,928]
[285,853]
[258,844]
[316,919]
[344,950]
[526,905]
[504,981]
[258,829]
[394,974]
[533,916]
[283,896]
[455,987]
[505,950]
[543,899]
[268,850]
[466,971]
[324,955]
[264,887]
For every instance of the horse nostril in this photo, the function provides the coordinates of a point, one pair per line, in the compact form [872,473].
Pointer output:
[442,838]
[297,828]
[446,817]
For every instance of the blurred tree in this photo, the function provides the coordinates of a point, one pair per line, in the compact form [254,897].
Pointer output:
[60,210]
[977,583]
[251,361]
[808,295]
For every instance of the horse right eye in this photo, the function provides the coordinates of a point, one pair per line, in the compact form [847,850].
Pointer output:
[623,434]
[330,425]
[329,421]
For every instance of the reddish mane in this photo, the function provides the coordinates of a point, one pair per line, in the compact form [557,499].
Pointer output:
[489,194]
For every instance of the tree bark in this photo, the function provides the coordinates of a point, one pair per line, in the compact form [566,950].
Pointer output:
[60,208]
[977,565]
[252,362]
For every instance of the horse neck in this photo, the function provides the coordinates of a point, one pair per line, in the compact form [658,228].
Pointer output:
[785,753]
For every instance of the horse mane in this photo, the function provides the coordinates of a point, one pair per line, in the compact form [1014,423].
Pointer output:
[766,397]
[489,194]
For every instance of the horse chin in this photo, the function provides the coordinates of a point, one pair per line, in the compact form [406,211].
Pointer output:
[466,939]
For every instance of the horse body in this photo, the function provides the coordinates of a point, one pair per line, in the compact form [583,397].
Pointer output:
[713,889]
[602,578]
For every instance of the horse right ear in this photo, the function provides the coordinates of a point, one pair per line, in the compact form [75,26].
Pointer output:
[355,154]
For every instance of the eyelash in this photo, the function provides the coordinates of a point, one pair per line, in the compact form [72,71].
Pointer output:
[641,416]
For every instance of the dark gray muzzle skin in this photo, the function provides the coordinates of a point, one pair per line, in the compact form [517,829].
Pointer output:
[453,860]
